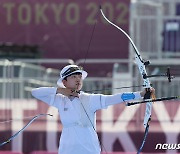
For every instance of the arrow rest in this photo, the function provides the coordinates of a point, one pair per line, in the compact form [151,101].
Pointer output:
[146,63]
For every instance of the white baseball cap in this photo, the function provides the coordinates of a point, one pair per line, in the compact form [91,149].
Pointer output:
[69,70]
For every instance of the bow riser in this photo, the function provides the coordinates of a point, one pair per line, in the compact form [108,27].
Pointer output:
[147,85]
[142,70]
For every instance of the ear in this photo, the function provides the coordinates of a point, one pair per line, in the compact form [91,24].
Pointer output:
[64,82]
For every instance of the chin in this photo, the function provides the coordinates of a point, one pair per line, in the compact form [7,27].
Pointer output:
[79,88]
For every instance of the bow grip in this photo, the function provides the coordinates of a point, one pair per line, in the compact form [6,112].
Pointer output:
[147,94]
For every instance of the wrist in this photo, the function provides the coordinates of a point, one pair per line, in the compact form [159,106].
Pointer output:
[59,90]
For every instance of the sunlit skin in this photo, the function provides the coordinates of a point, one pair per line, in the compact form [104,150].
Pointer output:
[74,82]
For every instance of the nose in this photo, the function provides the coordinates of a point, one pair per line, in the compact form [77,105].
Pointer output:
[78,79]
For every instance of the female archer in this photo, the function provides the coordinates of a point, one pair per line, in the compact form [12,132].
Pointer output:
[77,110]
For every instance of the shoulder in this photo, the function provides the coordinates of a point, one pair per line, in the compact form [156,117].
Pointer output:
[94,97]
[82,93]
[89,95]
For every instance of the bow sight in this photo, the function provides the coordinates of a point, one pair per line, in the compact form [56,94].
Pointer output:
[167,74]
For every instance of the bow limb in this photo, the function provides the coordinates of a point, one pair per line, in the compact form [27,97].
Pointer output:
[142,69]
[141,65]
[16,134]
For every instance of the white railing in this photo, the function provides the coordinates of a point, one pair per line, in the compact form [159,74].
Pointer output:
[155,27]
[17,75]
[18,78]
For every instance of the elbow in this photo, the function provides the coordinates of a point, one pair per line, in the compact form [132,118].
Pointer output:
[34,93]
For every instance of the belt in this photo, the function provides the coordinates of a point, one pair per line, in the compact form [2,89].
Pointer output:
[76,124]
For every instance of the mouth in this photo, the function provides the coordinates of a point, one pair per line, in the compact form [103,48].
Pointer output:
[78,84]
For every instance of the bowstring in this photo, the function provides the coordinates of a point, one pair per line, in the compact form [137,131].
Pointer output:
[89,44]
[86,55]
